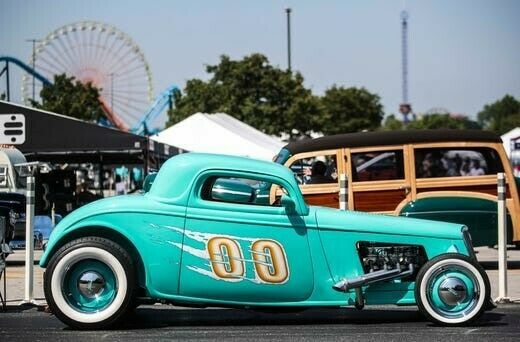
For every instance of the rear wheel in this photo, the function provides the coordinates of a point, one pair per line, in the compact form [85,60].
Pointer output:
[89,283]
[452,290]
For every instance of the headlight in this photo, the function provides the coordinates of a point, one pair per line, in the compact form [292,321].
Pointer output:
[469,244]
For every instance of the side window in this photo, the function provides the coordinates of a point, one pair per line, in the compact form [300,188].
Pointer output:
[455,162]
[315,170]
[238,190]
[377,166]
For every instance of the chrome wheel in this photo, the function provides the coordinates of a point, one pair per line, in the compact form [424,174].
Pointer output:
[89,286]
[452,289]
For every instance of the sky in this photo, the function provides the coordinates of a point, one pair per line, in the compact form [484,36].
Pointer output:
[462,54]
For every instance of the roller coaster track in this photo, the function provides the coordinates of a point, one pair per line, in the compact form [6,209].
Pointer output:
[22,65]
[161,102]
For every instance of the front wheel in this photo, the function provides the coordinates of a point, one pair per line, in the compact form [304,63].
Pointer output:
[452,289]
[89,283]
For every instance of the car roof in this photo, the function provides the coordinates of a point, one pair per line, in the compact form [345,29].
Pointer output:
[385,138]
[178,173]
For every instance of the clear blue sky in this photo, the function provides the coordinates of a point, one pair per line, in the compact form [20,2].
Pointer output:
[463,54]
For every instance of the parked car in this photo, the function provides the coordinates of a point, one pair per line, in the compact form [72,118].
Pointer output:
[200,236]
[445,175]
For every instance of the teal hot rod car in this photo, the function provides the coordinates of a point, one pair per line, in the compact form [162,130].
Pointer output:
[205,235]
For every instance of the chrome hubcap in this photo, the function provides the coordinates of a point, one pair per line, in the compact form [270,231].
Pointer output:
[91,284]
[452,291]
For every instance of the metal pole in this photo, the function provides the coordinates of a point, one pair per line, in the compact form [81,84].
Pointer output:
[288,11]
[112,92]
[53,215]
[502,240]
[33,66]
[33,41]
[29,242]
[7,80]
[343,191]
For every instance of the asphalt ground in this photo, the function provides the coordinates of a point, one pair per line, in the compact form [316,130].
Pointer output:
[162,322]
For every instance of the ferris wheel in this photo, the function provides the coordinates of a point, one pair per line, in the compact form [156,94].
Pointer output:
[103,55]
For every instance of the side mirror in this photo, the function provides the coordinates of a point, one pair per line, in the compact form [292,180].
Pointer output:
[288,203]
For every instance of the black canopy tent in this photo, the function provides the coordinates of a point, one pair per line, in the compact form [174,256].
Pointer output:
[57,138]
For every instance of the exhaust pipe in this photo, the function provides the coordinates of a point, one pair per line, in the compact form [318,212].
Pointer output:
[373,277]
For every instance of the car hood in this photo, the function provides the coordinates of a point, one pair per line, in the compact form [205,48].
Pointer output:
[334,219]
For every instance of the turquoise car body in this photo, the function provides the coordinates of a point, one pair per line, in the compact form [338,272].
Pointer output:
[168,231]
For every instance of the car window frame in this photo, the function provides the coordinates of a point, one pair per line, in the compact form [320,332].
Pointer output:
[322,187]
[382,150]
[402,148]
[440,182]
[460,148]
[196,199]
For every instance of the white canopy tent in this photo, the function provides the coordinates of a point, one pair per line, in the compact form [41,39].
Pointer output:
[512,135]
[219,133]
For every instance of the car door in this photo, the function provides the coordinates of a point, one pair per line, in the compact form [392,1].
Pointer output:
[240,249]
[379,179]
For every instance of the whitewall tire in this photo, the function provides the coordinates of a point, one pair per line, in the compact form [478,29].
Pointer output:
[89,283]
[452,289]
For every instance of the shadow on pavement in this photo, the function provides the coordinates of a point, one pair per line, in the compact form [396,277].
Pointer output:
[145,318]
[16,308]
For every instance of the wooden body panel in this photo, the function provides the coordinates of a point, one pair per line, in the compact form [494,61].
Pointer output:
[377,201]
[325,200]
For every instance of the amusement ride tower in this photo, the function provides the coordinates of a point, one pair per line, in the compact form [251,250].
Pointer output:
[405,108]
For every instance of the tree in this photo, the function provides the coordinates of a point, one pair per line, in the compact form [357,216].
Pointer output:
[500,116]
[71,98]
[349,110]
[431,121]
[272,100]
[392,123]
[436,121]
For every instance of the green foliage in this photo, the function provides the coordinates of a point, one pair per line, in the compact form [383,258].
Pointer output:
[392,123]
[3,96]
[431,121]
[275,101]
[349,110]
[436,121]
[268,98]
[501,116]
[71,98]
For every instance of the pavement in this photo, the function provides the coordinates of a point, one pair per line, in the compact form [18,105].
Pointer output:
[166,323]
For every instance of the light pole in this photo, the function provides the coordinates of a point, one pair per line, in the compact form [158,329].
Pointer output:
[288,11]
[33,41]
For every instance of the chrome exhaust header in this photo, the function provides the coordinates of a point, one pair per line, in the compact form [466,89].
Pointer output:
[374,277]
